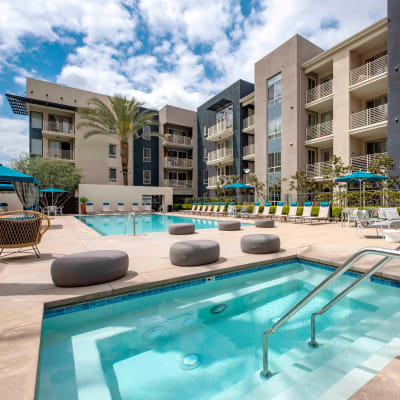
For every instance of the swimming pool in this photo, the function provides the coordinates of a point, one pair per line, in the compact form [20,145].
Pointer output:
[116,224]
[202,339]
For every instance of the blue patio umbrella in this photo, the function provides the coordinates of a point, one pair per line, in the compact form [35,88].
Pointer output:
[237,186]
[11,175]
[53,190]
[361,177]
[6,187]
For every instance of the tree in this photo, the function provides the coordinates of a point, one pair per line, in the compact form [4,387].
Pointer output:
[381,166]
[121,119]
[302,183]
[335,170]
[259,187]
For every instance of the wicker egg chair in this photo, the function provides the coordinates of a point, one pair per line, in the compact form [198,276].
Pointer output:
[20,229]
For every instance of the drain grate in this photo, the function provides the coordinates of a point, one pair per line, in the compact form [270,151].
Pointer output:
[191,361]
[154,333]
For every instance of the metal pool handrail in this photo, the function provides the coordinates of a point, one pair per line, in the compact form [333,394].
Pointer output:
[265,373]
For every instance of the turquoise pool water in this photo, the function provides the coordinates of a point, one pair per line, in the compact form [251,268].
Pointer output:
[116,224]
[164,344]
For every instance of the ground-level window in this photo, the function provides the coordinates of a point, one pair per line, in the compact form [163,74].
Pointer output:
[146,154]
[112,174]
[112,151]
[146,177]
[274,162]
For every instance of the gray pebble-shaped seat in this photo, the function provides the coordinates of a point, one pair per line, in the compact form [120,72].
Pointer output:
[265,223]
[260,244]
[194,252]
[89,268]
[181,229]
[229,225]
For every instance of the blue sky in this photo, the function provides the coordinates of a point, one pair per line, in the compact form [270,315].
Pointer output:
[161,51]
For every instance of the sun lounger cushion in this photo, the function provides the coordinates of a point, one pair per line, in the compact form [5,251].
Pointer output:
[265,223]
[260,244]
[229,225]
[89,268]
[194,252]
[181,229]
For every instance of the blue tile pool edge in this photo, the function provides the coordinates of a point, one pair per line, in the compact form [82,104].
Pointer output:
[57,311]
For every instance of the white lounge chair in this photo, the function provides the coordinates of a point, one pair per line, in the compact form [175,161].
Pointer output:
[391,213]
[147,208]
[135,207]
[363,223]
[201,209]
[307,210]
[90,208]
[323,214]
[121,207]
[106,208]
[231,210]
[278,212]
[190,211]
[255,212]
[266,210]
[206,210]
[219,211]
[196,209]
[292,211]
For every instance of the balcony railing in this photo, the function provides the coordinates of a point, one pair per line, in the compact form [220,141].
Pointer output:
[249,150]
[369,116]
[178,139]
[320,130]
[214,181]
[248,122]
[178,184]
[320,91]
[178,162]
[317,169]
[225,153]
[59,127]
[369,70]
[61,154]
[224,123]
[363,163]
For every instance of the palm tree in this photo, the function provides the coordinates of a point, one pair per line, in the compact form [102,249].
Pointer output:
[121,118]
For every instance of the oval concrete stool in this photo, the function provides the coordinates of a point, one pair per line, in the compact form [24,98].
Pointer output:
[89,268]
[260,244]
[181,229]
[194,252]
[229,225]
[265,223]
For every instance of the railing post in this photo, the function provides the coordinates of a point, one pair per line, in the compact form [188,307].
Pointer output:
[265,373]
[313,342]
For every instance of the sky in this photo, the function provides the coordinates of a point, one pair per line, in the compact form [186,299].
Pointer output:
[178,52]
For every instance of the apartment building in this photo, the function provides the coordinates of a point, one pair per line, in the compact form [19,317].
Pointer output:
[220,140]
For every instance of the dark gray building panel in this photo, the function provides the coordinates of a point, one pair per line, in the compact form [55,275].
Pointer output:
[394,83]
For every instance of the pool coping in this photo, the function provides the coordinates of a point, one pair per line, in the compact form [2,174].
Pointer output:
[31,376]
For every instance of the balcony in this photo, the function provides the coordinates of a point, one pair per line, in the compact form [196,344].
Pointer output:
[320,98]
[363,163]
[178,184]
[371,122]
[54,130]
[248,124]
[64,155]
[221,180]
[177,162]
[220,156]
[249,152]
[320,133]
[316,170]
[370,80]
[177,140]
[222,129]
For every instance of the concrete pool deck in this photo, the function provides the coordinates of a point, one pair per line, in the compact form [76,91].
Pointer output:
[26,288]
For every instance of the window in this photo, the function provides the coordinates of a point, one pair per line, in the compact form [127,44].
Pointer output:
[146,177]
[112,151]
[311,156]
[36,147]
[312,82]
[112,174]
[146,154]
[274,108]
[205,176]
[274,162]
[147,133]
[205,153]
[36,120]
[205,130]
[274,89]
[376,147]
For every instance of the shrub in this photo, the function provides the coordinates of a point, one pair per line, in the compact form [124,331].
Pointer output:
[177,207]
[186,206]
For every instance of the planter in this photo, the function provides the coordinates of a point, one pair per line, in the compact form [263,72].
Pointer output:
[83,208]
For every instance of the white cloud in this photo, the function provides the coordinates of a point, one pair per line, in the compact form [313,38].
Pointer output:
[14,138]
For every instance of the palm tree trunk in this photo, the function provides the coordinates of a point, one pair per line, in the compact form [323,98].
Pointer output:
[124,161]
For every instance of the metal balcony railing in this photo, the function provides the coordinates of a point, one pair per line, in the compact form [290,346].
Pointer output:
[363,163]
[369,116]
[178,139]
[317,169]
[224,123]
[225,153]
[59,127]
[369,70]
[248,122]
[178,162]
[249,150]
[320,130]
[61,154]
[320,91]
[178,184]
[213,181]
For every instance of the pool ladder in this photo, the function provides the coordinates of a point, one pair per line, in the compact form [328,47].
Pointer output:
[388,255]
[133,216]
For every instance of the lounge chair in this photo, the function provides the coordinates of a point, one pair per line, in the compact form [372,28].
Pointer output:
[323,214]
[201,209]
[90,208]
[231,209]
[244,211]
[147,208]
[215,208]
[196,209]
[391,213]
[279,210]
[363,222]
[255,213]
[207,210]
[292,211]
[3,207]
[121,207]
[348,214]
[266,210]
[106,208]
[135,207]
[221,210]
[190,211]
[307,210]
